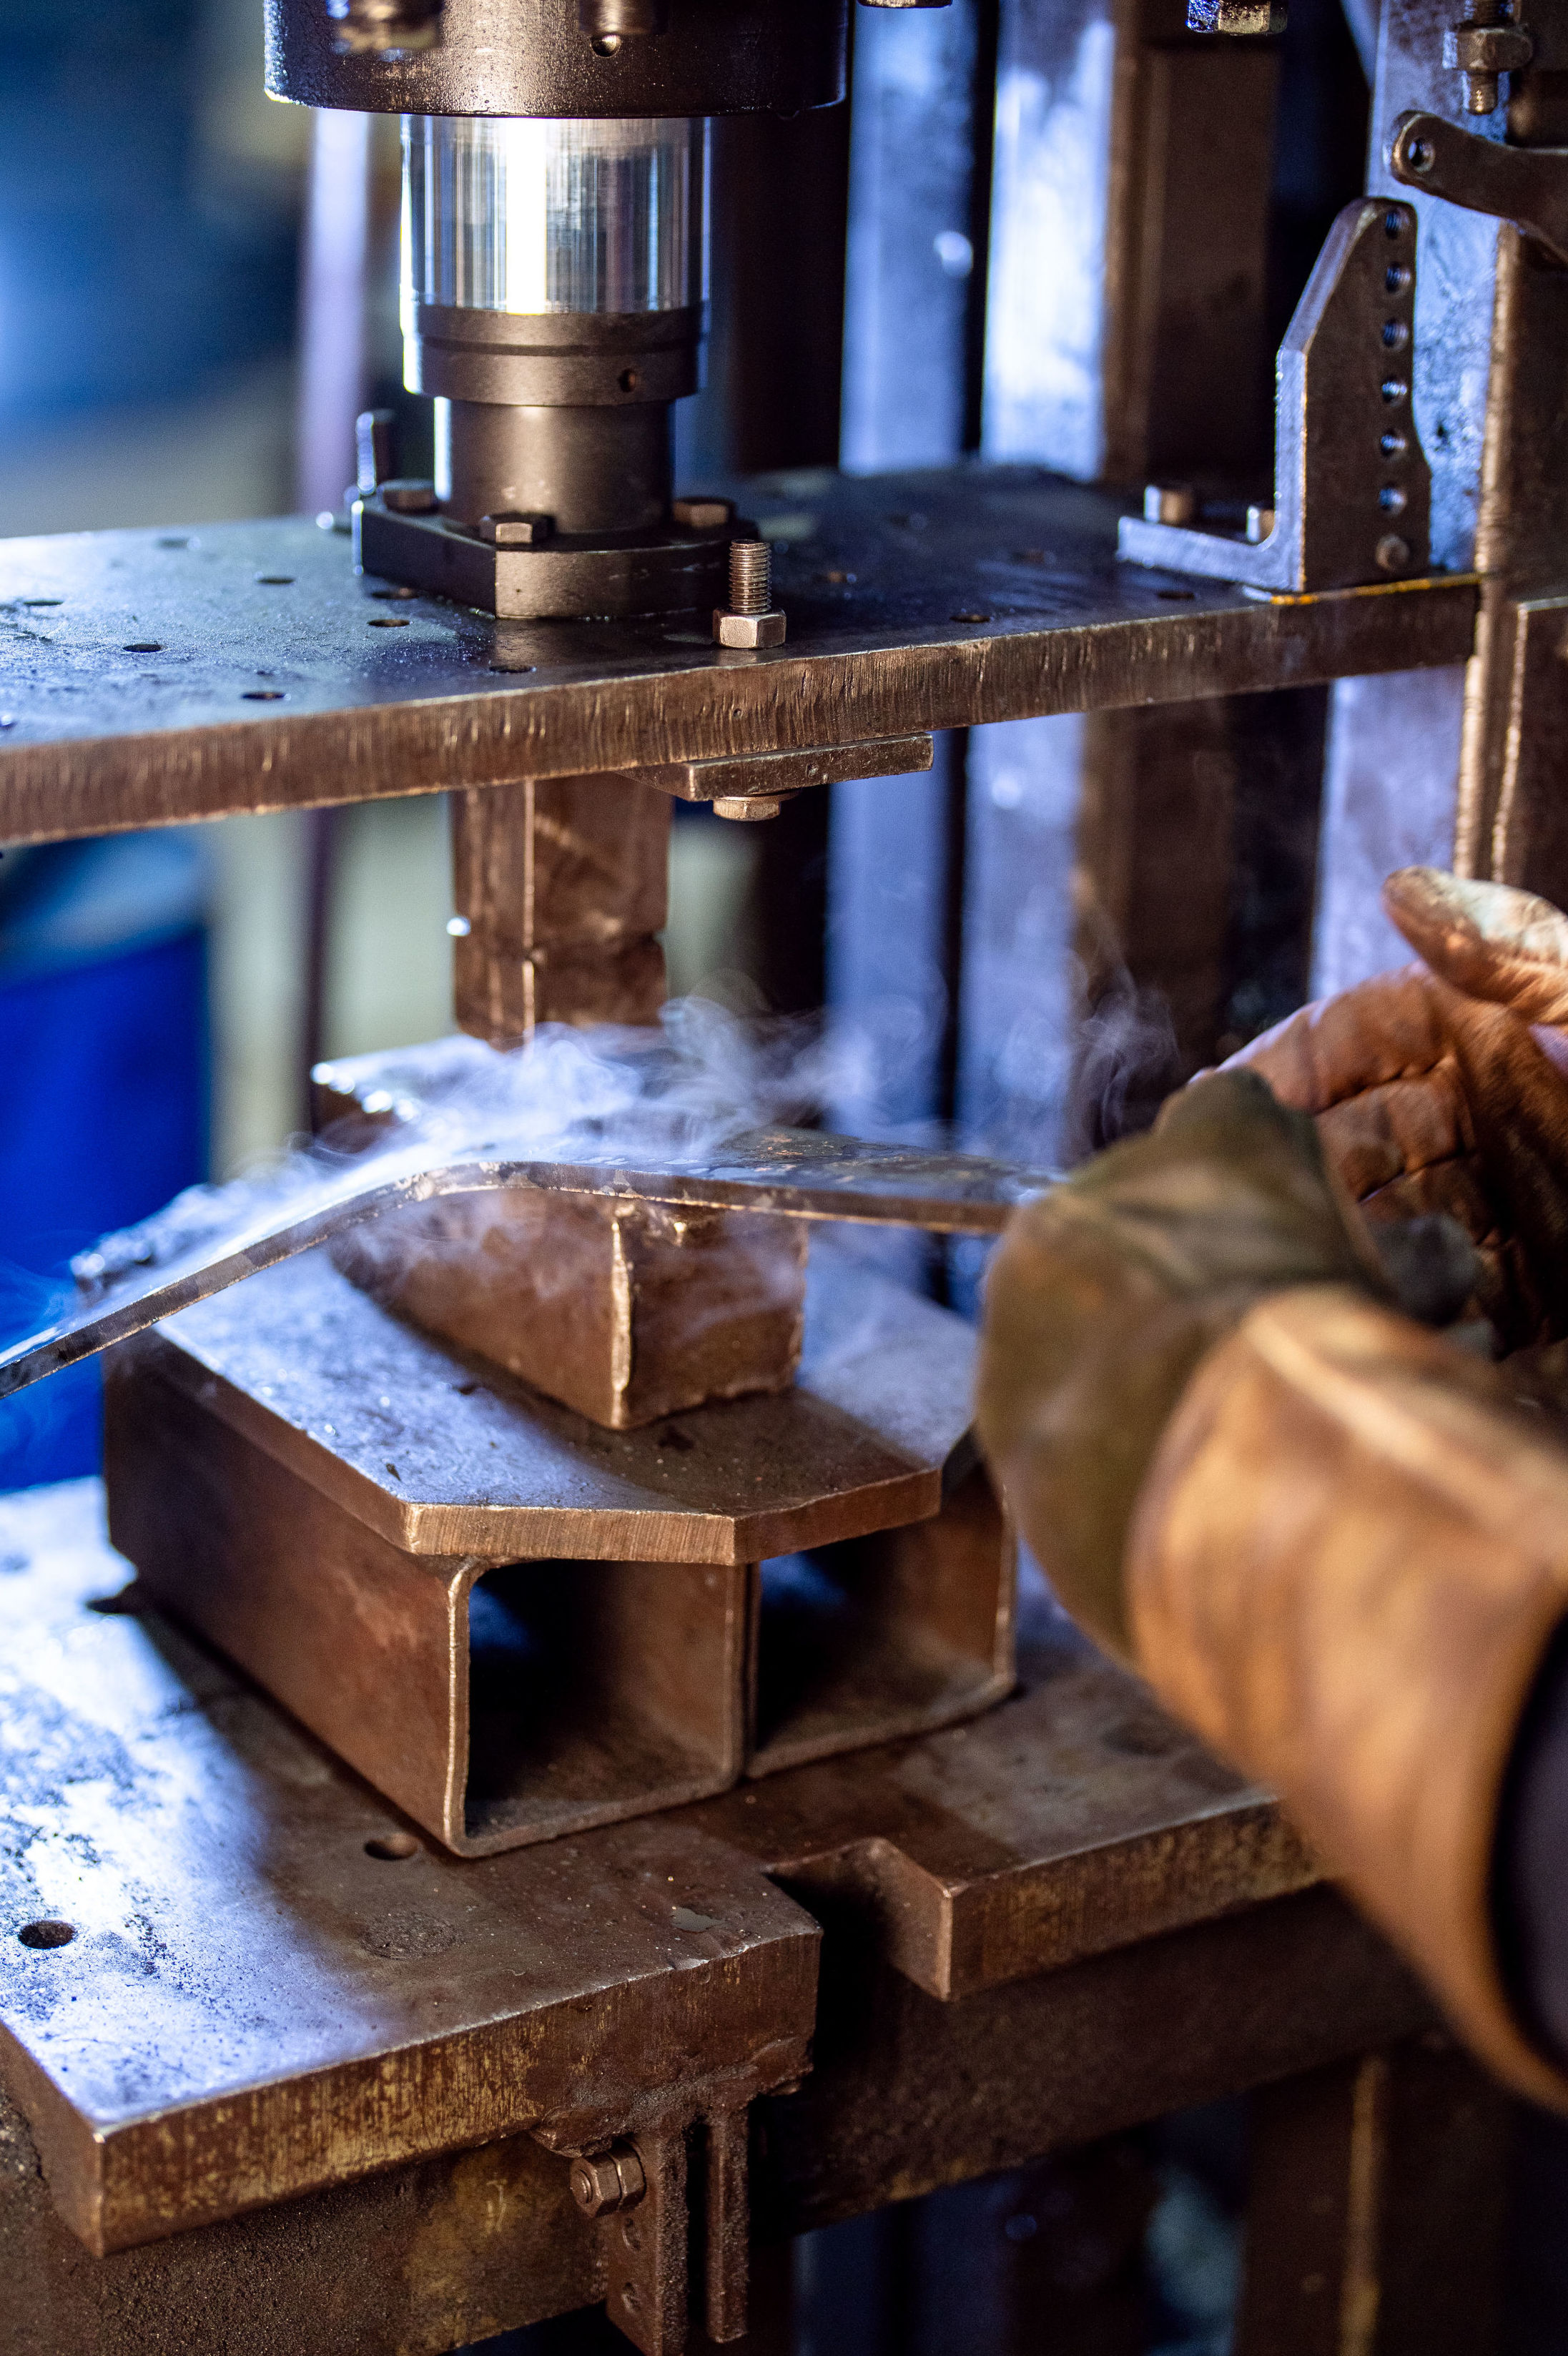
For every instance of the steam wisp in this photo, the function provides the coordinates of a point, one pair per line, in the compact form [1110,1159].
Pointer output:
[671,1117]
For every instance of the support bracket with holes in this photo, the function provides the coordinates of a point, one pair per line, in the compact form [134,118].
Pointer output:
[638,2187]
[1352,489]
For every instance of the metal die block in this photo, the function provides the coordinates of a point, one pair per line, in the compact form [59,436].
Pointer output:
[885,1635]
[561,887]
[626,1312]
[495,1703]
[573,573]
[516,1623]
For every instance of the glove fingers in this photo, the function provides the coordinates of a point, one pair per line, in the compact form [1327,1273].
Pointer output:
[1384,1030]
[1488,939]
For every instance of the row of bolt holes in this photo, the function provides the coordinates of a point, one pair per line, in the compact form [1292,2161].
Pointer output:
[389,1847]
[248,694]
[1392,444]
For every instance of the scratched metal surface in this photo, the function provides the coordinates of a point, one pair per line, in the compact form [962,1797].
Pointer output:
[150,677]
[251,2004]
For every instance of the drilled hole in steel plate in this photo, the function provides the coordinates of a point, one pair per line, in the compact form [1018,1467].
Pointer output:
[1177,597]
[143,646]
[387,622]
[1393,224]
[387,594]
[174,539]
[392,1847]
[972,613]
[264,695]
[1396,277]
[47,1935]
[36,604]
[627,379]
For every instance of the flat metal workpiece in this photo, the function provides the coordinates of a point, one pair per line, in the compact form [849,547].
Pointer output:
[210,1239]
[269,1985]
[151,676]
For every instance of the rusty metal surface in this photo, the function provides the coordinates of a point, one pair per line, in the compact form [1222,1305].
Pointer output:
[908,2094]
[916,602]
[561,886]
[159,1269]
[566,1641]
[254,2002]
[335,1386]
[1377,2214]
[414,2260]
[262,2007]
[625,1314]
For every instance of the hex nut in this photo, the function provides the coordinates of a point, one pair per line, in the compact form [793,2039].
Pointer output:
[405,495]
[515,529]
[749,630]
[604,2181]
[703,515]
[1170,503]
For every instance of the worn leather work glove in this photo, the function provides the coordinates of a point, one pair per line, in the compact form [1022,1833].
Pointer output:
[1332,1541]
[1441,1089]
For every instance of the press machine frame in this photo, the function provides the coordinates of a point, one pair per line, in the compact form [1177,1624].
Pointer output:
[976,1941]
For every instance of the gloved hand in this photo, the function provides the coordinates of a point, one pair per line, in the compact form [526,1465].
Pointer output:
[1332,1542]
[1441,1089]
[1106,1292]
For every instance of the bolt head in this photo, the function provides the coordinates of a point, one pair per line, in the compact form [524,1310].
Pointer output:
[1392,552]
[404,495]
[746,808]
[748,631]
[607,2180]
[703,515]
[514,528]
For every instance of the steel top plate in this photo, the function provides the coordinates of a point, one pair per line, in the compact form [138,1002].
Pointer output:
[150,677]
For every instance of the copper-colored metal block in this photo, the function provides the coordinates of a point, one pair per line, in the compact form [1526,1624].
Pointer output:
[562,884]
[625,1312]
[517,1624]
[882,1635]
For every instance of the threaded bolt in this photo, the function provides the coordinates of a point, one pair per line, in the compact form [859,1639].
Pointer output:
[750,577]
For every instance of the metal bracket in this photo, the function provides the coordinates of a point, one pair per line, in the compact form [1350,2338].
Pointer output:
[1352,489]
[638,2191]
[1527,185]
[751,786]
